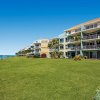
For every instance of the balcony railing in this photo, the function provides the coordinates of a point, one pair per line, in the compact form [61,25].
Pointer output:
[85,37]
[52,50]
[92,47]
[37,47]
[91,37]
[91,27]
[85,47]
[72,40]
[75,48]
[84,29]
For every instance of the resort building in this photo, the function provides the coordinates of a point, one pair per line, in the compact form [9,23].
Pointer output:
[83,39]
[40,47]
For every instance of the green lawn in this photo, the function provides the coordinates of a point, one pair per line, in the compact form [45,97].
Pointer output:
[48,79]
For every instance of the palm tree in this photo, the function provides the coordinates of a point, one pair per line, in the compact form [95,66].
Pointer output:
[54,45]
[76,38]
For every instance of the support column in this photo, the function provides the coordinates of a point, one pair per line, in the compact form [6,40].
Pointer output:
[96,54]
[64,48]
[89,54]
[81,52]
[95,43]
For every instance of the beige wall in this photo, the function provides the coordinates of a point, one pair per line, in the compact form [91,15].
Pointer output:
[44,46]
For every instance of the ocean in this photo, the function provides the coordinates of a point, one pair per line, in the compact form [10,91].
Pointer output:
[6,56]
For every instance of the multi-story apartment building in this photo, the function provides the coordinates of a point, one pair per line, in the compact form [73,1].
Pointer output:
[37,47]
[40,47]
[83,39]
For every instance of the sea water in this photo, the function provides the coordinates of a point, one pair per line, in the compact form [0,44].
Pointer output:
[6,56]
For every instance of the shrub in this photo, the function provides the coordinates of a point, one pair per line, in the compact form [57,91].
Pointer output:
[56,54]
[37,56]
[77,57]
[30,56]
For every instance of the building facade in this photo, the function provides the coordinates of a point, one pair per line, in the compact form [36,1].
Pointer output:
[83,39]
[40,47]
[44,47]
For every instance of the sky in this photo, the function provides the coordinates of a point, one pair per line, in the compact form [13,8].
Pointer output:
[24,21]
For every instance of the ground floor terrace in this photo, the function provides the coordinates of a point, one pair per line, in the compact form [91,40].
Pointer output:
[89,54]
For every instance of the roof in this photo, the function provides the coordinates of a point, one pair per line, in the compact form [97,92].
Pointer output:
[86,23]
[39,41]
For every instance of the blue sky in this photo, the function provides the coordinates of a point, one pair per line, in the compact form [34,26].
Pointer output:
[24,21]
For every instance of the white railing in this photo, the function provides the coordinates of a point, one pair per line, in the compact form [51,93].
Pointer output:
[92,46]
[84,29]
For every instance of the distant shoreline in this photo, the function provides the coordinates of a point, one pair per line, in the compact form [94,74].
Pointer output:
[6,56]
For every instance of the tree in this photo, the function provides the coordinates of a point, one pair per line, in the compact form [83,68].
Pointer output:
[76,38]
[54,46]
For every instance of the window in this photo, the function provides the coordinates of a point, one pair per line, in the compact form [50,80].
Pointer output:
[37,45]
[66,46]
[77,30]
[91,26]
[95,25]
[62,40]
[69,32]
[32,46]
[66,39]
[61,47]
[87,27]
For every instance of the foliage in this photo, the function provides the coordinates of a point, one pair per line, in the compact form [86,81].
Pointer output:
[37,55]
[54,45]
[77,37]
[24,52]
[30,56]
[56,54]
[77,57]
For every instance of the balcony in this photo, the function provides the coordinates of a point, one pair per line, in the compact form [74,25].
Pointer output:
[92,26]
[37,47]
[73,41]
[92,46]
[84,28]
[52,50]
[75,48]
[86,47]
[91,37]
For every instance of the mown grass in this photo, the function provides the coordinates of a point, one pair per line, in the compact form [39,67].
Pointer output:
[48,79]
